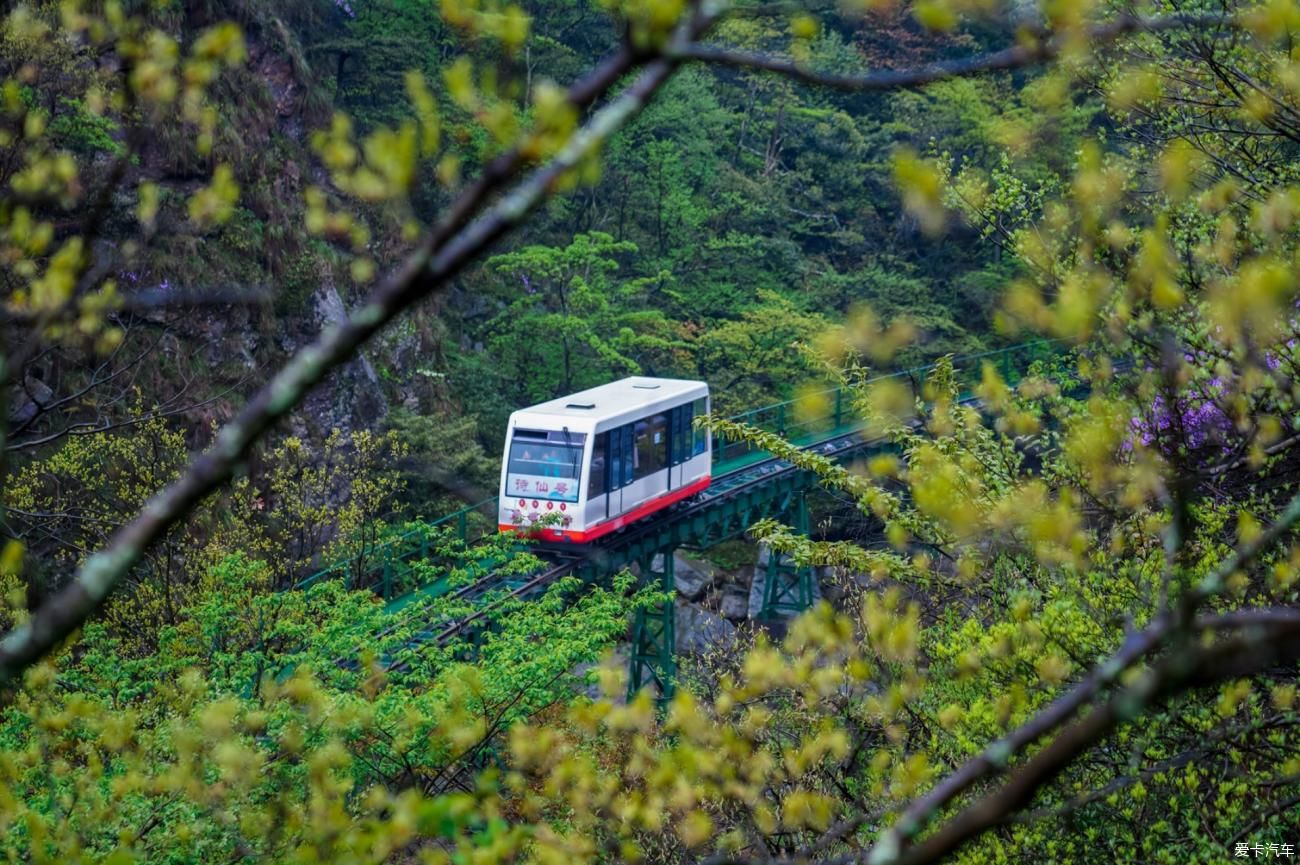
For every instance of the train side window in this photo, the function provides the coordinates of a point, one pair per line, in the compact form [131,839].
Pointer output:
[651,445]
[684,435]
[621,456]
[638,458]
[700,409]
[596,478]
[640,449]
[615,458]
[675,435]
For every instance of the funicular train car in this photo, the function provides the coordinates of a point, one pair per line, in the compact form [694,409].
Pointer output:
[604,458]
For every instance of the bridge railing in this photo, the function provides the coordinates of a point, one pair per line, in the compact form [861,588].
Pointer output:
[384,565]
[825,413]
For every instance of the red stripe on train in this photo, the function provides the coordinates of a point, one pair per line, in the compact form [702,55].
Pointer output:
[638,512]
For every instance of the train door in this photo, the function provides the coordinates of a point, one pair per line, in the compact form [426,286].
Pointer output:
[627,447]
[652,464]
[613,480]
[679,444]
[621,463]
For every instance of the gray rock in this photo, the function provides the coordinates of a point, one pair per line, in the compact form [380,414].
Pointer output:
[28,408]
[735,601]
[698,630]
[830,588]
[591,688]
[693,577]
[331,311]
[757,586]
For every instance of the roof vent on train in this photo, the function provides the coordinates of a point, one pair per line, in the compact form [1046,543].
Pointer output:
[580,405]
[646,386]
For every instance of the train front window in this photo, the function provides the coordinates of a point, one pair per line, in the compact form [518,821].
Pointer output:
[543,468]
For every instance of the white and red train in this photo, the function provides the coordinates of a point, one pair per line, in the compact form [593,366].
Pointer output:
[604,458]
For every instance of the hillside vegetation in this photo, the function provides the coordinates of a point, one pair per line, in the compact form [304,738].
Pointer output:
[273,275]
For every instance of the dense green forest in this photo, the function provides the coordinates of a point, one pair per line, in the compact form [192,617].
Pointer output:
[733,218]
[275,274]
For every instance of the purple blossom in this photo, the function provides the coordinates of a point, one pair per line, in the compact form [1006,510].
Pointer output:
[1198,410]
[1202,421]
[1272,361]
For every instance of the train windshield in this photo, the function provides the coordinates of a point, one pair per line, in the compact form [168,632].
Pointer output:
[545,465]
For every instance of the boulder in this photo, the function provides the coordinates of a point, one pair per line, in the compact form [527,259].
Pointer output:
[757,586]
[698,630]
[693,577]
[735,601]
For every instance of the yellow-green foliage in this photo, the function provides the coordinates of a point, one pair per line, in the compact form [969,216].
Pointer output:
[1024,528]
[80,495]
[305,485]
[325,503]
[221,743]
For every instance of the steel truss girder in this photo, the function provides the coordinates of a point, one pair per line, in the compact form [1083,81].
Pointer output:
[654,635]
[789,587]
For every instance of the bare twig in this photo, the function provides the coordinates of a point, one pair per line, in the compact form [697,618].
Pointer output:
[1037,48]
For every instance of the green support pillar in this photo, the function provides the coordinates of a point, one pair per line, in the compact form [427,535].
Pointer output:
[654,637]
[789,588]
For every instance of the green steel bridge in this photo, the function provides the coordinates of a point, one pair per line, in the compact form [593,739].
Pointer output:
[749,484]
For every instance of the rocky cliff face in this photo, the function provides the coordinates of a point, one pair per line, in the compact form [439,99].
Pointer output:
[268,109]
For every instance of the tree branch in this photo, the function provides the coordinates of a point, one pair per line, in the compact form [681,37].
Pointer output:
[1038,48]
